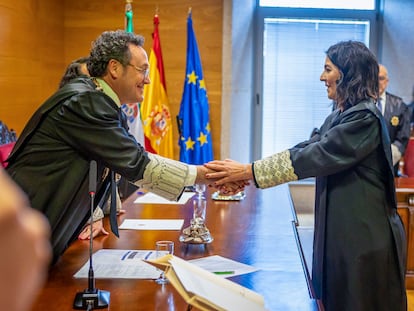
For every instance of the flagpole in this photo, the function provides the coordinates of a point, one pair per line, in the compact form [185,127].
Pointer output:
[129,26]
[132,110]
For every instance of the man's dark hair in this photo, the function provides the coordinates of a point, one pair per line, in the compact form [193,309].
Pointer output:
[359,73]
[111,45]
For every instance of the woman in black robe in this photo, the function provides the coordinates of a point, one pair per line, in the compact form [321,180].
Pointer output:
[359,250]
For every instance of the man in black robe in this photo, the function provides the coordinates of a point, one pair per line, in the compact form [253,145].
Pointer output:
[83,121]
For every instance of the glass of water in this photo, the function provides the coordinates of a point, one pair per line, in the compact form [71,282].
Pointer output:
[163,248]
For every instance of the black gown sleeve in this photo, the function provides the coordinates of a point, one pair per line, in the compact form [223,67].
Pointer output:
[339,148]
[91,124]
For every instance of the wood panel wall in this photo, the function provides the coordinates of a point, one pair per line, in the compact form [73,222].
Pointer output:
[31,62]
[40,37]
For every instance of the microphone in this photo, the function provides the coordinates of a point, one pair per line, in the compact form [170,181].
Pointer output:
[91,298]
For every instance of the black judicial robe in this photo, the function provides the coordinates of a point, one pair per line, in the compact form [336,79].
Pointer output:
[51,158]
[359,250]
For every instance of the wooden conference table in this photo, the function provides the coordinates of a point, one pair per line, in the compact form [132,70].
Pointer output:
[257,231]
[405,202]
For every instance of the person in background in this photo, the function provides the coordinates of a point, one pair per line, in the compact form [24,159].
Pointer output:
[24,247]
[75,69]
[82,122]
[397,118]
[411,107]
[359,250]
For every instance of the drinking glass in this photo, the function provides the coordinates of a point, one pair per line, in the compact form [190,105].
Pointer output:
[200,189]
[163,248]
[199,209]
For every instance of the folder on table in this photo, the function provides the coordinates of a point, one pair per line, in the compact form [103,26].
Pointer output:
[205,290]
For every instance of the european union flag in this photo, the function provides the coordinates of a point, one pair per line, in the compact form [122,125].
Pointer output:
[193,119]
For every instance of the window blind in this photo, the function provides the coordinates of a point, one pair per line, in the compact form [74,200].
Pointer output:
[294,99]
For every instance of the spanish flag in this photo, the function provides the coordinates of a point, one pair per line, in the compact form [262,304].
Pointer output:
[155,112]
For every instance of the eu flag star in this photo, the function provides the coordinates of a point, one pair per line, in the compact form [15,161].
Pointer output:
[192,78]
[190,144]
[202,139]
[202,84]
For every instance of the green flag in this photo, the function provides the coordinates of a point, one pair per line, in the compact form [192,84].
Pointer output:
[129,26]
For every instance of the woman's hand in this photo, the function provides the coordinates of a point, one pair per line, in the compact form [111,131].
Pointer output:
[229,171]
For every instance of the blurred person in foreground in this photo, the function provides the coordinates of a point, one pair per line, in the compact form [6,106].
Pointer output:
[359,250]
[83,121]
[24,247]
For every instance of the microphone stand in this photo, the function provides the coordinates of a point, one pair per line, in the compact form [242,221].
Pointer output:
[91,298]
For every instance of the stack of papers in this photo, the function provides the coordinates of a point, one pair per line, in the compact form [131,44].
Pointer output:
[151,198]
[129,264]
[222,266]
[120,264]
[152,224]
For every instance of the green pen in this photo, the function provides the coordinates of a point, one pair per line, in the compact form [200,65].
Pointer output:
[223,272]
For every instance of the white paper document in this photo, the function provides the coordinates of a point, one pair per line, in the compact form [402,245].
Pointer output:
[152,224]
[222,266]
[151,198]
[120,264]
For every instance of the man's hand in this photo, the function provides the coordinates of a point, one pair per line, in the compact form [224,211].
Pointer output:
[396,154]
[97,229]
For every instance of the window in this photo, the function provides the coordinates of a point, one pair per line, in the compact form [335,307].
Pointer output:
[291,100]
[294,99]
[322,4]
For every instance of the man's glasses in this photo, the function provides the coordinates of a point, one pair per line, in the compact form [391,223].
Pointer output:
[145,72]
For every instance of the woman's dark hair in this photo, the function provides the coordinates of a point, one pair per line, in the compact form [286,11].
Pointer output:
[359,73]
[73,70]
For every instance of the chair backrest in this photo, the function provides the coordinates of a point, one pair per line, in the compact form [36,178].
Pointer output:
[409,158]
[5,151]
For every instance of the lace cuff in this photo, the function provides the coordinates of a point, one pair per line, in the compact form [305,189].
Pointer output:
[166,177]
[274,170]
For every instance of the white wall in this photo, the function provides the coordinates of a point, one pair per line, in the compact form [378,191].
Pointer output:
[397,47]
[238,86]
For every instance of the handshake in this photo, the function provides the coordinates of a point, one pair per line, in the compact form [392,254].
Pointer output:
[227,176]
